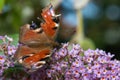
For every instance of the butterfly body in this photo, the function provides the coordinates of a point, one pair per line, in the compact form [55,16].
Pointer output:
[36,43]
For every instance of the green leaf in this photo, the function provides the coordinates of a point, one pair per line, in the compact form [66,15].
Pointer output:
[1,4]
[15,38]
[1,53]
[17,71]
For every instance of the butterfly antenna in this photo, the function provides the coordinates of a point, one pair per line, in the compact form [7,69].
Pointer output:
[32,22]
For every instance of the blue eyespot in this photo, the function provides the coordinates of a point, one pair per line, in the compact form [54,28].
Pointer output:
[33,26]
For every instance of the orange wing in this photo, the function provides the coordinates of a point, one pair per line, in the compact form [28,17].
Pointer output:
[37,57]
[37,42]
[49,26]
[28,56]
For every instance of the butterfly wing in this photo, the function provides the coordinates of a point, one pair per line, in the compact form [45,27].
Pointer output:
[36,44]
[33,38]
[50,27]
[28,56]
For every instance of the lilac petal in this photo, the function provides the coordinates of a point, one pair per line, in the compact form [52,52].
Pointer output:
[1,37]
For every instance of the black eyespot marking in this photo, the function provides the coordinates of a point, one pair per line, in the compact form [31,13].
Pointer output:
[54,28]
[24,57]
[56,19]
[39,65]
[33,26]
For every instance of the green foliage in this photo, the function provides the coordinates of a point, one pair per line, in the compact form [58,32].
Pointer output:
[15,71]
[87,44]
[1,53]
[1,4]
[15,38]
[17,13]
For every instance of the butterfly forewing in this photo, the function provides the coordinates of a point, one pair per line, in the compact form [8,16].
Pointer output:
[36,43]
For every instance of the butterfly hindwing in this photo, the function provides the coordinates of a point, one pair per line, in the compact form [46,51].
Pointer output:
[36,43]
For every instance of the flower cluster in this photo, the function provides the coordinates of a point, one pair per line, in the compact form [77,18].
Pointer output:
[70,62]
[4,64]
[8,50]
[76,64]
[9,69]
[6,46]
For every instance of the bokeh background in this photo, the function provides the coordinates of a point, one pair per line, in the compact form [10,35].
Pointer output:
[98,21]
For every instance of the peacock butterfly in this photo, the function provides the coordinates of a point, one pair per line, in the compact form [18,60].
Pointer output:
[36,43]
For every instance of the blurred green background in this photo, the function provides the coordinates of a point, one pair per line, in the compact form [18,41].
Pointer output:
[101,20]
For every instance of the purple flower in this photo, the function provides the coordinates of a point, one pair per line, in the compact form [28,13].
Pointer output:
[77,63]
[75,51]
[89,69]
[76,73]
[49,72]
[86,76]
[4,64]
[64,64]
[90,52]
[62,52]
[93,65]
[102,59]
[2,60]
[88,59]
[70,62]
[2,37]
[11,50]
